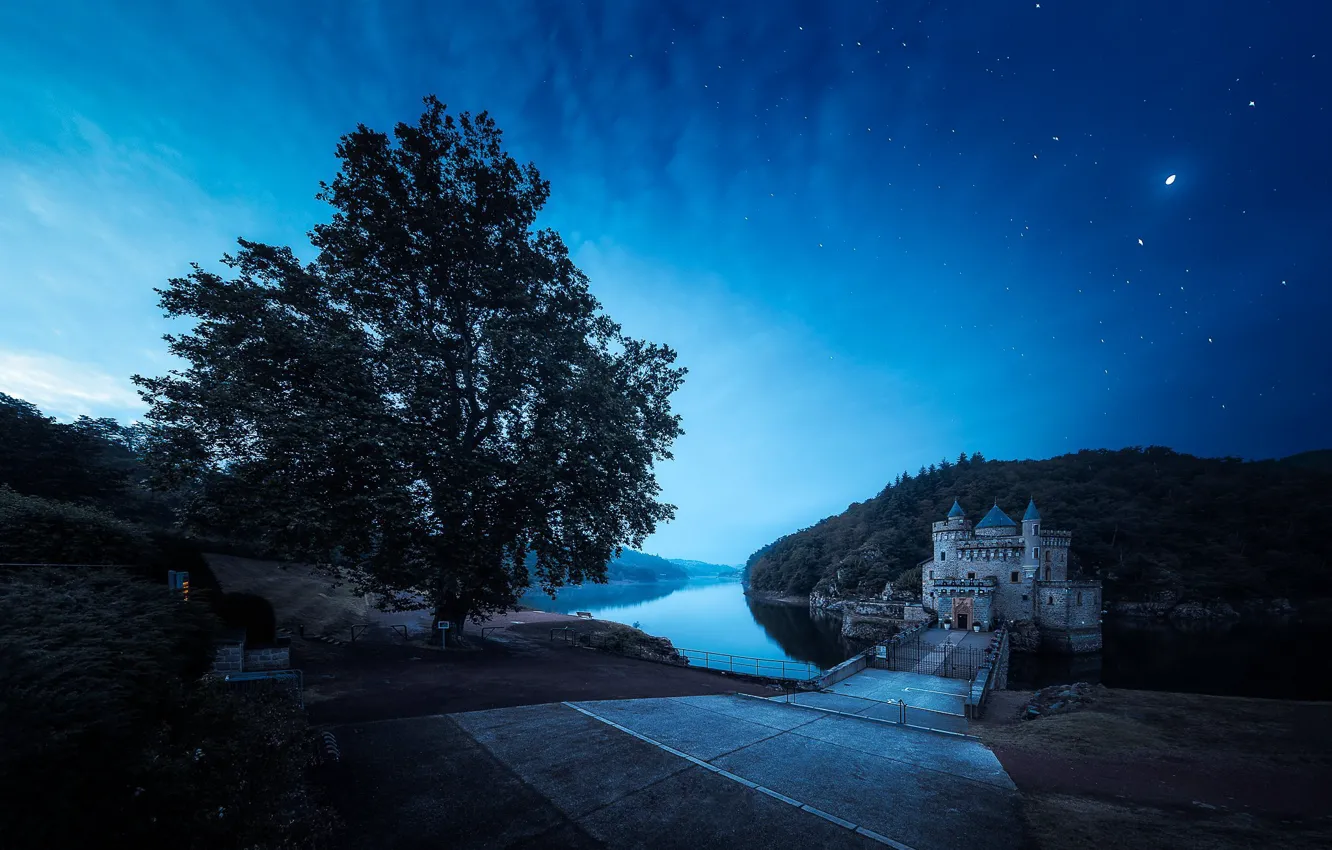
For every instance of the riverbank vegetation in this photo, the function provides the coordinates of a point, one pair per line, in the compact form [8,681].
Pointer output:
[1150,522]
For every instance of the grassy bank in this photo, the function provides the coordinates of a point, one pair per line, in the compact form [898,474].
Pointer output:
[1162,770]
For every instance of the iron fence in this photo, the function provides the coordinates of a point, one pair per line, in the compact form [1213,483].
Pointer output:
[773,668]
[264,681]
[897,711]
[915,655]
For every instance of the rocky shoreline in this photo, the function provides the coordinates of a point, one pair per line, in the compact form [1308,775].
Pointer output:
[769,597]
[1169,605]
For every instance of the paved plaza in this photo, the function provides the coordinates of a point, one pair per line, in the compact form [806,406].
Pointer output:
[698,771]
[929,702]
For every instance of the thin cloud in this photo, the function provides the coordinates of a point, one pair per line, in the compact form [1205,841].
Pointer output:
[65,388]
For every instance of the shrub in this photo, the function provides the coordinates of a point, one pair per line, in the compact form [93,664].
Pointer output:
[108,736]
[250,612]
[41,531]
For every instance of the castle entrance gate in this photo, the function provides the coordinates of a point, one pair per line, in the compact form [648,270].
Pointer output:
[962,614]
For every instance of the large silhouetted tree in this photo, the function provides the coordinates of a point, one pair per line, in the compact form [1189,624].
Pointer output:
[434,397]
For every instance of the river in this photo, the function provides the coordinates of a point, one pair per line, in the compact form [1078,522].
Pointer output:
[1262,660]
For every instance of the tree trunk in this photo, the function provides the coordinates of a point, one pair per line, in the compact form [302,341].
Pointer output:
[452,610]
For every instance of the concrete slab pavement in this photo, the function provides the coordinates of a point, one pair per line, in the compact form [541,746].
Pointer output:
[675,772]
[920,789]
[933,702]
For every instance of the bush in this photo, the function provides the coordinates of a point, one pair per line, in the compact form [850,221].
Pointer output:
[108,736]
[40,531]
[250,612]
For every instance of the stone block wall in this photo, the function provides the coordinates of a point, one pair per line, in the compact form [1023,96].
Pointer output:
[230,657]
[268,657]
[1074,641]
[1065,605]
[233,656]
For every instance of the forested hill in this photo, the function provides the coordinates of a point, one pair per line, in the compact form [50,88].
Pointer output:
[1143,520]
[637,566]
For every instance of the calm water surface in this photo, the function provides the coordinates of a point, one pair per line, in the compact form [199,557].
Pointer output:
[1268,659]
[712,615]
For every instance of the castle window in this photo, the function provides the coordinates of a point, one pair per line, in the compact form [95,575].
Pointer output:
[1036,553]
[943,556]
[1047,573]
[1050,601]
[1079,597]
[931,575]
[1035,529]
[971,575]
[1047,556]
[1025,597]
[1013,577]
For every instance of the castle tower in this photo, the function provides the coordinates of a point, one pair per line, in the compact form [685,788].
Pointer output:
[1031,542]
[946,536]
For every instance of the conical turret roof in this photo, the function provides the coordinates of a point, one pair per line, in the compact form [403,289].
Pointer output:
[1031,513]
[956,511]
[996,518]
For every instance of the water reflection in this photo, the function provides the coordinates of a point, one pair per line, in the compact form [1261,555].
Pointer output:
[586,597]
[1260,659]
[1269,659]
[816,638]
[712,615]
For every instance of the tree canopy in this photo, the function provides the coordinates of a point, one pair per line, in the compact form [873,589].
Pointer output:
[1143,520]
[433,398]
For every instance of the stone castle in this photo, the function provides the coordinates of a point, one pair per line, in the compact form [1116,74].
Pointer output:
[994,573]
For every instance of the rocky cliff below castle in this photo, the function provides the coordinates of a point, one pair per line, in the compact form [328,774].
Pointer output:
[868,618]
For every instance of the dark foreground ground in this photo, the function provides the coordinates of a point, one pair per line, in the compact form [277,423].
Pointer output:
[1143,769]
[520,665]
[1134,770]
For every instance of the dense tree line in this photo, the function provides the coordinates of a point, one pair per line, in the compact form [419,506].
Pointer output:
[109,733]
[1143,520]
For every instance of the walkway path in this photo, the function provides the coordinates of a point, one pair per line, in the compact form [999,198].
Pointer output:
[932,702]
[719,771]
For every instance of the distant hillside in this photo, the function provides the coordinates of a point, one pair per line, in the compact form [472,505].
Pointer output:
[1319,460]
[702,569]
[1143,520]
[636,566]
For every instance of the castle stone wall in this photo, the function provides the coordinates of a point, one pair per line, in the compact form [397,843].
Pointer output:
[1065,605]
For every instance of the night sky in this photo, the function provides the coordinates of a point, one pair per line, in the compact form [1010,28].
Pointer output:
[877,235]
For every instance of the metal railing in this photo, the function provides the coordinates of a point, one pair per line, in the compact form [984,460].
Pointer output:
[914,655]
[267,680]
[897,711]
[773,668]
[567,633]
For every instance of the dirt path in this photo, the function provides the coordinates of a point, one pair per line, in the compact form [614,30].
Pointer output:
[364,682]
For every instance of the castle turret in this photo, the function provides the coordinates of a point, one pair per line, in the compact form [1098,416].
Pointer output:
[946,536]
[1031,541]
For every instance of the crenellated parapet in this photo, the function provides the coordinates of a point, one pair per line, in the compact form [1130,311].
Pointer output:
[964,586]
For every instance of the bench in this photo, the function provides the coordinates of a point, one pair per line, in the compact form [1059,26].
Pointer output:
[587,615]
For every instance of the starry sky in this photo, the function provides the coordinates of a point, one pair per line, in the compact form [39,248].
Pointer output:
[878,233]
